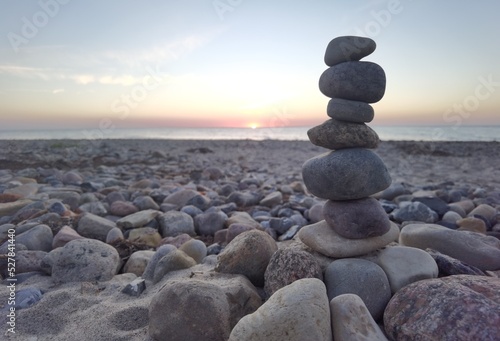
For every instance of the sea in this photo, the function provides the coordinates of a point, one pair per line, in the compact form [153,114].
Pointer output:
[386,133]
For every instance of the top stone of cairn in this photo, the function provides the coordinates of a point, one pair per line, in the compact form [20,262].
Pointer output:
[348,49]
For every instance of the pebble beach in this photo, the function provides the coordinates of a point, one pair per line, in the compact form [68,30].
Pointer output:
[173,239]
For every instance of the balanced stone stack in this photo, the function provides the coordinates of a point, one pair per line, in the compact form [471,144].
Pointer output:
[350,173]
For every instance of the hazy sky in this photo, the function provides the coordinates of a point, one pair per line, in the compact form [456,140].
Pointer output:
[68,63]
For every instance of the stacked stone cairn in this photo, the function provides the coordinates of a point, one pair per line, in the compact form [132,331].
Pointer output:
[354,223]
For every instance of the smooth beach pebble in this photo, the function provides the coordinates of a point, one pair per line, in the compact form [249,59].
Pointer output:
[356,81]
[322,238]
[471,248]
[348,48]
[345,174]
[335,134]
[356,219]
[350,111]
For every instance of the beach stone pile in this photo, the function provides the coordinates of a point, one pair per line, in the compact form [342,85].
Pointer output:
[354,223]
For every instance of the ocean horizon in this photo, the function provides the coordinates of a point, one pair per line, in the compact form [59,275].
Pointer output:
[386,133]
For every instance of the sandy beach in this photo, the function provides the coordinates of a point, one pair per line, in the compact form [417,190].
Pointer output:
[99,310]
[414,162]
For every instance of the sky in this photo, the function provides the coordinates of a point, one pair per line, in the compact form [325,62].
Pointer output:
[239,63]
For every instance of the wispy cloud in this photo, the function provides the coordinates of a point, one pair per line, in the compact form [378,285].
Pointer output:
[57,91]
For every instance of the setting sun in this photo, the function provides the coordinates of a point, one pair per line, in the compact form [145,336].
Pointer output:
[253,125]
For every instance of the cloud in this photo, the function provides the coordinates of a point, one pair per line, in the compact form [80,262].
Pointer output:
[57,91]
[161,53]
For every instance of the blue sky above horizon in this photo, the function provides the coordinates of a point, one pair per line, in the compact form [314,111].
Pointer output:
[239,63]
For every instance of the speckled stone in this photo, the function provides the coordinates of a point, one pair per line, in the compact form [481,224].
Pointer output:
[348,48]
[334,134]
[288,265]
[350,111]
[345,174]
[355,81]
[454,308]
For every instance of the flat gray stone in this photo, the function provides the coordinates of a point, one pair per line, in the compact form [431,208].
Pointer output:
[334,134]
[38,238]
[348,48]
[322,238]
[471,248]
[355,81]
[138,219]
[345,174]
[350,111]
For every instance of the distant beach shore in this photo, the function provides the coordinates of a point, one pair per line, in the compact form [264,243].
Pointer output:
[415,162]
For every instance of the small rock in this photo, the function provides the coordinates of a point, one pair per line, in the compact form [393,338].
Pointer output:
[177,241]
[83,260]
[135,288]
[36,238]
[174,223]
[434,203]
[288,265]
[138,219]
[449,266]
[415,211]
[145,202]
[362,278]
[64,236]
[145,235]
[404,265]
[323,239]
[180,198]
[348,49]
[175,311]
[471,224]
[149,271]
[471,248]
[356,81]
[350,111]
[208,223]
[95,227]
[285,316]
[345,174]
[351,320]
[114,235]
[174,260]
[272,199]
[485,211]
[234,230]
[122,208]
[451,217]
[356,219]
[195,248]
[26,298]
[248,254]
[138,262]
[334,134]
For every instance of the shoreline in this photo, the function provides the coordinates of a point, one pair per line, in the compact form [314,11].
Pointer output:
[414,162]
